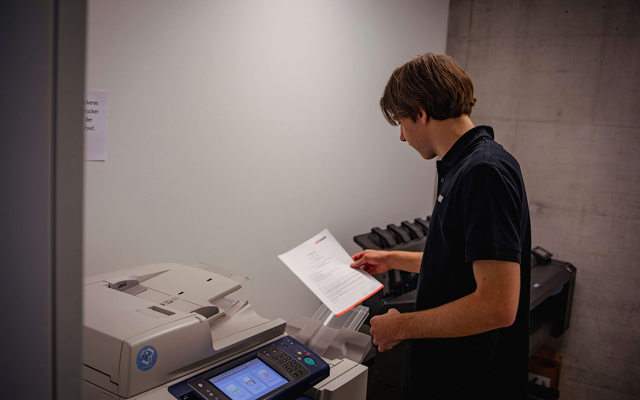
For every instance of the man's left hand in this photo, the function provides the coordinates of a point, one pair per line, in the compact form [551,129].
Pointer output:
[385,330]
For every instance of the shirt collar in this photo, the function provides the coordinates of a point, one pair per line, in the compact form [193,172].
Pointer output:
[460,147]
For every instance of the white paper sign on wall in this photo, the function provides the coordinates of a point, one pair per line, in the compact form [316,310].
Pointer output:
[95,125]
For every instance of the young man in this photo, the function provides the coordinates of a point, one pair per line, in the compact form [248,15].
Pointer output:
[470,330]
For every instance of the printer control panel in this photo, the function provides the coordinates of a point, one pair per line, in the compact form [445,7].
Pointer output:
[283,368]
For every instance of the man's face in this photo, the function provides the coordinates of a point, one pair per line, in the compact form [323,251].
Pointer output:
[417,135]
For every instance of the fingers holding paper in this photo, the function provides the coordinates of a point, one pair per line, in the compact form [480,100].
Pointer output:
[385,331]
[372,261]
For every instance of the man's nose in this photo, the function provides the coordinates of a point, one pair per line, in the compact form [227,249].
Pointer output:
[402,136]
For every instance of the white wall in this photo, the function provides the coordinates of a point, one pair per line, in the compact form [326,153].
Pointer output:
[236,130]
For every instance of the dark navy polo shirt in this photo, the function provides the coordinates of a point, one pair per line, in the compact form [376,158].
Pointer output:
[480,213]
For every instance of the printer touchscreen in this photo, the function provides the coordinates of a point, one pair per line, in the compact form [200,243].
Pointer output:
[248,381]
[284,368]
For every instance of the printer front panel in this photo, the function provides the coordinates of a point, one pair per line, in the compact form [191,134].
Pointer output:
[163,354]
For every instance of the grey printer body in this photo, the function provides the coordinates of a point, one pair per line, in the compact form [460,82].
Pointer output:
[148,327]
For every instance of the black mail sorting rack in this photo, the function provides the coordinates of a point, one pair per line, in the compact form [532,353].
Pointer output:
[552,286]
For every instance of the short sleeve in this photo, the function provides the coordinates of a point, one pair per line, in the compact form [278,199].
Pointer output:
[491,215]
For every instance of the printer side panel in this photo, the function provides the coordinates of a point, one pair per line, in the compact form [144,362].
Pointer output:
[101,357]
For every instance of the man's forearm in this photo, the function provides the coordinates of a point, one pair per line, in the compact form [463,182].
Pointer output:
[492,305]
[468,315]
[409,261]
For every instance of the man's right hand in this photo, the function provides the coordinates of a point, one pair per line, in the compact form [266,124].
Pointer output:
[372,261]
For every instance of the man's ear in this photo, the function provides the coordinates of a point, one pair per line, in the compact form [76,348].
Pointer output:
[422,116]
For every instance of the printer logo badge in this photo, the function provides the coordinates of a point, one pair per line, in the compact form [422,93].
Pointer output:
[147,357]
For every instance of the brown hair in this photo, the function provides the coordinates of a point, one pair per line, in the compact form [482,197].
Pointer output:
[431,82]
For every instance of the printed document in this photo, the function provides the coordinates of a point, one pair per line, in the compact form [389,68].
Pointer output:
[323,265]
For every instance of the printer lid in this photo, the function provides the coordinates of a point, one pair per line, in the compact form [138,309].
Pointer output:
[149,296]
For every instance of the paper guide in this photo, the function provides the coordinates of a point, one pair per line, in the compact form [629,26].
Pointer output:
[323,265]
